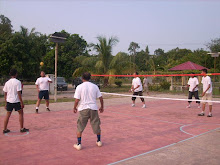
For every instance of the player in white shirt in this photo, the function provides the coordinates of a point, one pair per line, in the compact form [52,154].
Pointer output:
[193,90]
[207,93]
[137,88]
[85,96]
[12,91]
[42,85]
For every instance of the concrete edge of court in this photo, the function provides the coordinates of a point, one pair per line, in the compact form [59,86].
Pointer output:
[200,150]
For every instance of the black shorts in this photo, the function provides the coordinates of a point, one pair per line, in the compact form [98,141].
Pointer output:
[140,93]
[44,94]
[11,106]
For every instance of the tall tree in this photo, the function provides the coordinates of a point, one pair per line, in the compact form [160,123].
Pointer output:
[214,45]
[133,47]
[5,26]
[104,49]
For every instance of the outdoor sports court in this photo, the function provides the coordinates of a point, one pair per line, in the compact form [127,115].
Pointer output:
[127,132]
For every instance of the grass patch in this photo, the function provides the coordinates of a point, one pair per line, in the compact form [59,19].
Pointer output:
[115,89]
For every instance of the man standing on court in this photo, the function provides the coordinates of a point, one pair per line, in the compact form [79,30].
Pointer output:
[193,90]
[146,84]
[42,84]
[137,89]
[207,93]
[86,95]
[13,100]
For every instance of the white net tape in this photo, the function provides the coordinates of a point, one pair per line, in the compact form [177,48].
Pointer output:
[160,98]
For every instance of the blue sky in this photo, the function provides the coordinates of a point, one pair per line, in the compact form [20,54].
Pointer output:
[162,24]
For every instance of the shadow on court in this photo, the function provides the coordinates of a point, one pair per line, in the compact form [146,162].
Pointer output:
[126,132]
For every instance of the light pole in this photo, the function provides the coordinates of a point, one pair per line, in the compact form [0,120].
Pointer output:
[215,55]
[56,38]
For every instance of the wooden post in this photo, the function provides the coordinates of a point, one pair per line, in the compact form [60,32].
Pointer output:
[55,79]
[214,66]
[171,83]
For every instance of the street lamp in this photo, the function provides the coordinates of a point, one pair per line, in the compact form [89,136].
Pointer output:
[215,55]
[57,38]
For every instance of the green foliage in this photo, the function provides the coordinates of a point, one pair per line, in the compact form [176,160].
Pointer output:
[214,45]
[154,87]
[25,49]
[69,54]
[22,50]
[104,50]
[165,85]
[118,83]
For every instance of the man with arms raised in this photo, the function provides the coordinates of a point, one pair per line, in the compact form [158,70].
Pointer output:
[42,85]
[85,96]
[13,100]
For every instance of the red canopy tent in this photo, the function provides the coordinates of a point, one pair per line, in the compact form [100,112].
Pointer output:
[188,66]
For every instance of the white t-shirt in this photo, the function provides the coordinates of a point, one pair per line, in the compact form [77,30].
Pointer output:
[43,83]
[87,93]
[192,83]
[206,81]
[135,82]
[12,87]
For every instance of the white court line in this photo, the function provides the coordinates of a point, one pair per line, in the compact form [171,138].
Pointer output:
[146,153]
[181,128]
[160,98]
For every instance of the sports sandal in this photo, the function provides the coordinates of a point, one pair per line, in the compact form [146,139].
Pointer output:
[6,131]
[210,115]
[24,130]
[201,114]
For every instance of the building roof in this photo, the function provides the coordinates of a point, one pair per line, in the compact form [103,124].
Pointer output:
[188,66]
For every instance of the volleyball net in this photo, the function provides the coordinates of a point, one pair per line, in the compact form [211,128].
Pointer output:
[173,86]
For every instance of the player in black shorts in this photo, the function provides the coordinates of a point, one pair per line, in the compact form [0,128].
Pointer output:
[13,100]
[42,84]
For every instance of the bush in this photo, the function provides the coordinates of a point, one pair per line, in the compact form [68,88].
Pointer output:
[165,85]
[154,87]
[118,83]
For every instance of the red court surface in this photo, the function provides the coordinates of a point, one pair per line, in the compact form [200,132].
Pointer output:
[126,132]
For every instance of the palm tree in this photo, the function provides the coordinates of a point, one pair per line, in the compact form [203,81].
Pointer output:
[25,32]
[104,48]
